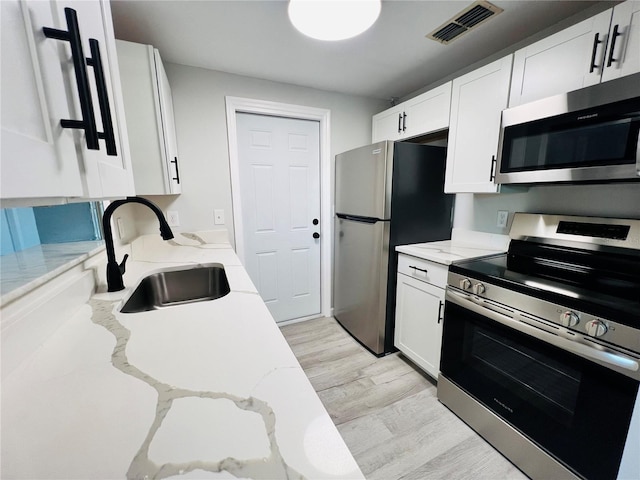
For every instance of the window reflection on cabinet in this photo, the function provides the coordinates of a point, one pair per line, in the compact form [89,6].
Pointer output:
[150,119]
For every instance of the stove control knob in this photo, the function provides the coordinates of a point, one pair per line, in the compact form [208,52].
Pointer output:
[569,319]
[479,289]
[465,284]
[596,328]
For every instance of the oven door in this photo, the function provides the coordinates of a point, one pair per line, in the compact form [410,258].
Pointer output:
[572,408]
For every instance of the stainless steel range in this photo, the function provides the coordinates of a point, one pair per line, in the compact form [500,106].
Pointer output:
[541,347]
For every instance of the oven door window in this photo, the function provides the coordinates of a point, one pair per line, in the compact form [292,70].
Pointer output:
[563,403]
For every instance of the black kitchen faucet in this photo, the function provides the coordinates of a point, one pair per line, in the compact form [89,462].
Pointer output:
[115,270]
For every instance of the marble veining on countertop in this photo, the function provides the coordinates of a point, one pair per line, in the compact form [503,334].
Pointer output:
[202,390]
[463,245]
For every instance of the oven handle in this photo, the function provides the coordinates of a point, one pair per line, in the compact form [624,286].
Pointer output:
[608,358]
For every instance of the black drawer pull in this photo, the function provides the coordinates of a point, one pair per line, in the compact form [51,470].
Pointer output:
[95,61]
[614,36]
[72,35]
[596,42]
[177,177]
[494,163]
[418,268]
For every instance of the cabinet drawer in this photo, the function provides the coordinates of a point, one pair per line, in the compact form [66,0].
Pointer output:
[430,272]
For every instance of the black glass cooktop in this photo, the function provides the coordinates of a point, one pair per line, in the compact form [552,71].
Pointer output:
[605,285]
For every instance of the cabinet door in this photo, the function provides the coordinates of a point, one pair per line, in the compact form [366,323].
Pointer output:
[418,330]
[477,101]
[38,155]
[623,56]
[387,125]
[168,127]
[428,112]
[105,175]
[569,60]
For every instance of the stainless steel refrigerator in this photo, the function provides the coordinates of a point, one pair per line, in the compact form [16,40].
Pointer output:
[387,194]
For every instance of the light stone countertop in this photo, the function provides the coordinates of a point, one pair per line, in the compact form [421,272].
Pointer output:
[202,390]
[24,271]
[464,245]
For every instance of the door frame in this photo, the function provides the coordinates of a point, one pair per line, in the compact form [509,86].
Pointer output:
[236,105]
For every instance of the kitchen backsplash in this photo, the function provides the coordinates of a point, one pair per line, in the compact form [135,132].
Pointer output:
[479,212]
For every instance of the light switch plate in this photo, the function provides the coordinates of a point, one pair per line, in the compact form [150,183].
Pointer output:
[218,217]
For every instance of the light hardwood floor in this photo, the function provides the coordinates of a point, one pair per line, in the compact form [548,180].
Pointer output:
[388,413]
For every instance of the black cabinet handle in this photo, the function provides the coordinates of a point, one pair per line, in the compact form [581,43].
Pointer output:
[95,61]
[596,42]
[177,177]
[614,36]
[404,121]
[315,221]
[399,122]
[72,35]
[316,235]
[494,162]
[419,269]
[440,311]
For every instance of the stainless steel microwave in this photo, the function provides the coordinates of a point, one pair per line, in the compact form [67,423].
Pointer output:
[588,135]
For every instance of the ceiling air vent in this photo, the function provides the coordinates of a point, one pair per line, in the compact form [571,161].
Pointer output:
[469,18]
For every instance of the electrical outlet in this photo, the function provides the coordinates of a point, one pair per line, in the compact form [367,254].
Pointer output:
[218,217]
[503,216]
[173,219]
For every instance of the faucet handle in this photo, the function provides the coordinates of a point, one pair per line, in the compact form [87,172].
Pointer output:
[122,266]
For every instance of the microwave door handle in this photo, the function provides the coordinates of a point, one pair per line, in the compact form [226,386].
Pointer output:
[628,365]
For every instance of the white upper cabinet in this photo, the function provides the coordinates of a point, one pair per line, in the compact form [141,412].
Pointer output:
[428,112]
[387,125]
[623,56]
[38,155]
[150,119]
[42,77]
[107,171]
[594,50]
[477,101]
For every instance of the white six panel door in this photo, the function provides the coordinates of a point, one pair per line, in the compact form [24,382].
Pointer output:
[280,190]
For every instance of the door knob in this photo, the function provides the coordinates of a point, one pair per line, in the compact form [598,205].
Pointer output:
[316,235]
[315,221]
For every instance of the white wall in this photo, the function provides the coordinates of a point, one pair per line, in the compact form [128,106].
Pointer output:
[479,211]
[199,104]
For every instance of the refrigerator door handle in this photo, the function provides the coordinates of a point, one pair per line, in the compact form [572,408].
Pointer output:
[357,218]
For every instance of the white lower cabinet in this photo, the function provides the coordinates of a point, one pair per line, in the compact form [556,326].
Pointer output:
[419,311]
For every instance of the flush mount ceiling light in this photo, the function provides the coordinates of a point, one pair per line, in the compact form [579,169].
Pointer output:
[333,19]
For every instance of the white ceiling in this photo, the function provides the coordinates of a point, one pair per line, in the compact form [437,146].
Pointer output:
[392,59]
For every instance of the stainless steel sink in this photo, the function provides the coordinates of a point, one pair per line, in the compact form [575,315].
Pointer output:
[177,287]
